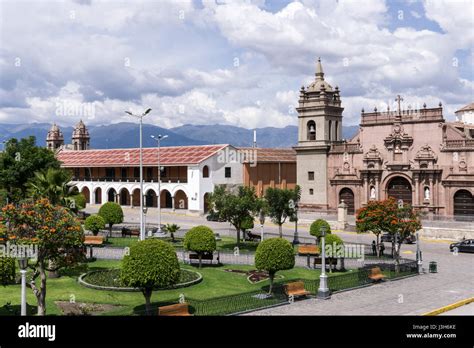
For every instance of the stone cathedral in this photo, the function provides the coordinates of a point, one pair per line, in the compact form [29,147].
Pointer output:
[413,155]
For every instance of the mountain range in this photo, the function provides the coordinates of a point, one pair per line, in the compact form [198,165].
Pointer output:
[125,135]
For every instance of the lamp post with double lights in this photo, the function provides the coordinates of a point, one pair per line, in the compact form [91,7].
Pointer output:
[323,291]
[142,229]
[23,263]
[158,139]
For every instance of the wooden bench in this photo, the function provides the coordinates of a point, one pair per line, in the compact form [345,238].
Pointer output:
[208,257]
[179,309]
[92,241]
[376,274]
[296,289]
[329,261]
[128,232]
[308,250]
[252,237]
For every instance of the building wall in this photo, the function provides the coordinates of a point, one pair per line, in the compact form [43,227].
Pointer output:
[317,163]
[264,175]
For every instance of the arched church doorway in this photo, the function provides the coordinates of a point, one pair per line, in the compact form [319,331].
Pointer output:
[347,195]
[400,188]
[463,203]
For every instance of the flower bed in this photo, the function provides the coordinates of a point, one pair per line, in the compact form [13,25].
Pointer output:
[109,279]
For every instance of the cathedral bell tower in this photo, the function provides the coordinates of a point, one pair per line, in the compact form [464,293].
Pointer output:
[80,137]
[55,138]
[319,125]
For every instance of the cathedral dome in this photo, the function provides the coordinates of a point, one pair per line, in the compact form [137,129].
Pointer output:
[319,84]
[54,133]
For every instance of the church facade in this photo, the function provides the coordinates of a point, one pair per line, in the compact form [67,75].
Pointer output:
[413,155]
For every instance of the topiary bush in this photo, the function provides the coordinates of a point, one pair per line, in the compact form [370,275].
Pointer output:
[332,242]
[200,239]
[273,255]
[112,213]
[315,228]
[94,223]
[7,270]
[150,263]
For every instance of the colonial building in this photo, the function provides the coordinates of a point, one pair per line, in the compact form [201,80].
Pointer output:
[188,173]
[414,155]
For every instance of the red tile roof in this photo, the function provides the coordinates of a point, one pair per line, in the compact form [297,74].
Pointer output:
[268,154]
[172,155]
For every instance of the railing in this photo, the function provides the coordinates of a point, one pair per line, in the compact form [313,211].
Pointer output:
[459,144]
[341,148]
[422,115]
[164,180]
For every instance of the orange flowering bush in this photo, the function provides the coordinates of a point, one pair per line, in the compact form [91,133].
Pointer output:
[56,233]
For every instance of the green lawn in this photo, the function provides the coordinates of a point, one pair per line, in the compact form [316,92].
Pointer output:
[216,283]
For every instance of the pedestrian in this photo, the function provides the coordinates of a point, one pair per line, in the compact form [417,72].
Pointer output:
[374,248]
[382,248]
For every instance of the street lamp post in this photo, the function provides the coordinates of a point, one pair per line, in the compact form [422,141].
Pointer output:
[418,254]
[142,229]
[261,217]
[323,291]
[23,263]
[295,237]
[158,139]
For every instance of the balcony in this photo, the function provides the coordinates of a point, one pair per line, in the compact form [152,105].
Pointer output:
[463,144]
[178,180]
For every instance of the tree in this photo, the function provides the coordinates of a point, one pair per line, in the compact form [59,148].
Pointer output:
[273,255]
[200,239]
[151,263]
[112,213]
[333,243]
[373,218]
[172,229]
[387,216]
[315,229]
[56,233]
[405,222]
[51,183]
[235,207]
[18,163]
[94,223]
[280,205]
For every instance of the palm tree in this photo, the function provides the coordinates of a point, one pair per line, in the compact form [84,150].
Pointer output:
[52,184]
[172,228]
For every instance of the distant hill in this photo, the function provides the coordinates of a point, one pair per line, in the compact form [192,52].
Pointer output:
[125,135]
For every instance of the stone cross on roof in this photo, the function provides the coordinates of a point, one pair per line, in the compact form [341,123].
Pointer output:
[399,99]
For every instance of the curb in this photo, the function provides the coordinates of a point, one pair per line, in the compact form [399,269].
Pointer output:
[449,307]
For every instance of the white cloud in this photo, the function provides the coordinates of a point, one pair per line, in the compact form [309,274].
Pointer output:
[178,58]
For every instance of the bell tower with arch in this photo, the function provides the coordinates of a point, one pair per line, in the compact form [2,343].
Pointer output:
[319,126]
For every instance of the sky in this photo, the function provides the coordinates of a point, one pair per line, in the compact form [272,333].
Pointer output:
[238,63]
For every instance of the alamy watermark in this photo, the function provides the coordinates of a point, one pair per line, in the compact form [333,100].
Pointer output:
[229,155]
[19,251]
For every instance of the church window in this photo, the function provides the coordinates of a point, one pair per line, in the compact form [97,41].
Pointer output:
[228,172]
[311,129]
[310,175]
[311,191]
[205,172]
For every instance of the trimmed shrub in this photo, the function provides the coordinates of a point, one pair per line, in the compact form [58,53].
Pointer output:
[94,223]
[332,242]
[200,239]
[112,213]
[77,202]
[273,255]
[151,263]
[315,229]
[7,270]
